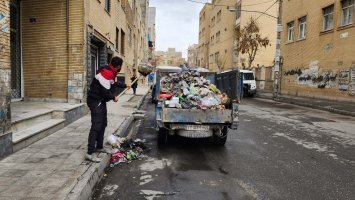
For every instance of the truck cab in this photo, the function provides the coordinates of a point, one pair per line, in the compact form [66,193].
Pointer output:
[249,83]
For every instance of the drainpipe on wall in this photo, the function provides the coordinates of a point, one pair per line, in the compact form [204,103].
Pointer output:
[67,35]
[278,63]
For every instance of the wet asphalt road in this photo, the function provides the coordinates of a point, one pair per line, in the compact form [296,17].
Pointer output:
[280,151]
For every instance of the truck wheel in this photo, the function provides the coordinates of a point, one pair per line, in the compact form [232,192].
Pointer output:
[220,140]
[162,136]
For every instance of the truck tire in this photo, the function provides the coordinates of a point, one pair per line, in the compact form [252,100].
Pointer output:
[220,140]
[162,136]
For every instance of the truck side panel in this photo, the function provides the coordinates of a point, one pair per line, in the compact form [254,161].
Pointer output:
[197,116]
[231,83]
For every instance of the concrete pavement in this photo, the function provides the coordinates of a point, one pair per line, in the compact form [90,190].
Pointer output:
[54,167]
[339,107]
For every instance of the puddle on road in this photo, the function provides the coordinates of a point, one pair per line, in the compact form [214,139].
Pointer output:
[151,194]
[152,164]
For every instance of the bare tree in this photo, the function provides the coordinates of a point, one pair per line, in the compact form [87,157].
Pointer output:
[249,40]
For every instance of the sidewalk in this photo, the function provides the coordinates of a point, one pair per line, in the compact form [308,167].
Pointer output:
[339,107]
[54,167]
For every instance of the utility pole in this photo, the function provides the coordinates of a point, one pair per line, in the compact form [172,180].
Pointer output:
[278,63]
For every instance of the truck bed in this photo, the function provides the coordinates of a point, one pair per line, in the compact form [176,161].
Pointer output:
[174,115]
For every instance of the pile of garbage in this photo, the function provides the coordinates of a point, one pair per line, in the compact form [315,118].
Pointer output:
[126,150]
[190,90]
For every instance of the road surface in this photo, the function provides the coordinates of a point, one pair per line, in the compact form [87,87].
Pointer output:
[280,151]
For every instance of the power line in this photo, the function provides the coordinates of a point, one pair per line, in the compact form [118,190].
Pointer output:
[257,3]
[251,11]
[264,13]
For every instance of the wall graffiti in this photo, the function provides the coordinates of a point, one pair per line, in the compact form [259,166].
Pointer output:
[4,27]
[4,22]
[293,72]
[344,80]
[314,77]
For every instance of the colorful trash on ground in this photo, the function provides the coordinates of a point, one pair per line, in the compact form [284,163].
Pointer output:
[125,151]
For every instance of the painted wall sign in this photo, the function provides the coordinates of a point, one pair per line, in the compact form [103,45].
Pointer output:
[344,80]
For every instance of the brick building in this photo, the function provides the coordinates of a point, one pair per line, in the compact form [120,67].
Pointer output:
[317,49]
[50,49]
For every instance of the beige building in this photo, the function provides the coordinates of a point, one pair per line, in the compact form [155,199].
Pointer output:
[263,64]
[218,22]
[169,58]
[50,49]
[317,45]
[151,32]
[221,37]
[192,55]
[204,36]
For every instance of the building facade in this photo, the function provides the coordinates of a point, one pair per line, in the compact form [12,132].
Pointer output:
[169,58]
[192,55]
[204,36]
[151,32]
[317,49]
[222,24]
[51,49]
[263,65]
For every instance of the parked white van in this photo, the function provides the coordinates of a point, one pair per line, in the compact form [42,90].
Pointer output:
[249,83]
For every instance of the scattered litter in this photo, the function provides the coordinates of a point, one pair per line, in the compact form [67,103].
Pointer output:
[125,151]
[190,90]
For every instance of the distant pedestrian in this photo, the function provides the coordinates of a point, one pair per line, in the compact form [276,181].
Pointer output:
[134,84]
[98,94]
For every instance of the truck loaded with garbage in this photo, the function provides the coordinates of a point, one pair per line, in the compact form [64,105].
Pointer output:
[196,104]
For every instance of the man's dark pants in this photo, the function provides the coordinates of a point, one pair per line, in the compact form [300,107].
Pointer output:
[98,125]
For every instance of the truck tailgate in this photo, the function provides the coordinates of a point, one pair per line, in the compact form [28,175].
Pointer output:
[197,116]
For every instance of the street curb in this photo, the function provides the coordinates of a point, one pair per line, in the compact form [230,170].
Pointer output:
[310,105]
[83,189]
[261,96]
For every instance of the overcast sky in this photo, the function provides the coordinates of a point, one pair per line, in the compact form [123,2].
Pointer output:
[176,24]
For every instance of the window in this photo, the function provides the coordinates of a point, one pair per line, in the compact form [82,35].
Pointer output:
[328,18]
[117,38]
[213,20]
[218,36]
[108,5]
[302,27]
[348,12]
[219,15]
[216,57]
[123,39]
[239,10]
[290,29]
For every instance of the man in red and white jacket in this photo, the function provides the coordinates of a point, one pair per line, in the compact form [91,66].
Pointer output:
[99,93]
